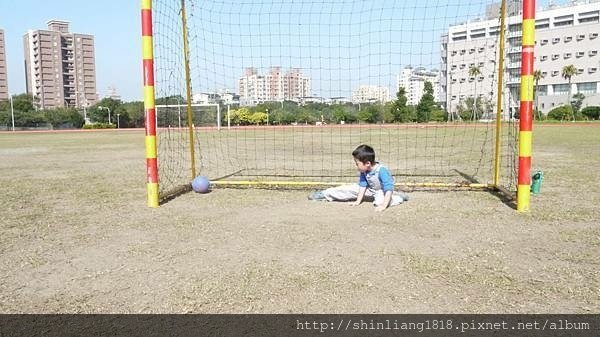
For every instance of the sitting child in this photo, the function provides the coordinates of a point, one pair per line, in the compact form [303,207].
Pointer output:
[375,183]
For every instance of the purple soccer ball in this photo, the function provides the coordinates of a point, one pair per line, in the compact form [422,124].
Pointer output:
[201,184]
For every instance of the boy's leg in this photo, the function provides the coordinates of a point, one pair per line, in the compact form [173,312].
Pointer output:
[378,197]
[398,198]
[342,193]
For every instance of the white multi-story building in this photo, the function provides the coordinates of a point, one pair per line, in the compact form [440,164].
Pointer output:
[275,86]
[413,81]
[565,35]
[370,94]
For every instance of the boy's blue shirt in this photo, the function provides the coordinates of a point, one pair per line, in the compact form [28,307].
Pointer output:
[379,178]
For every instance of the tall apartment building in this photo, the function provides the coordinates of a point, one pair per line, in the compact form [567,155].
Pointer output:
[60,67]
[371,93]
[413,81]
[3,71]
[565,35]
[275,86]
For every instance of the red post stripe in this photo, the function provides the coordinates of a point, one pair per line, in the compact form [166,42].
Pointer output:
[525,116]
[526,63]
[528,9]
[524,171]
[151,122]
[146,22]
[148,72]
[151,170]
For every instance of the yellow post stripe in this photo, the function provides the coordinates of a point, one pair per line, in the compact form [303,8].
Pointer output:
[523,197]
[527,88]
[528,32]
[149,97]
[152,189]
[525,143]
[150,147]
[147,52]
[146,4]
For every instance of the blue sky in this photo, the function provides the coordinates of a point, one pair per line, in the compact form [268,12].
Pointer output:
[338,52]
[115,25]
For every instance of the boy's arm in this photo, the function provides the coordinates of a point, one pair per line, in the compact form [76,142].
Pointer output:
[386,201]
[387,184]
[361,195]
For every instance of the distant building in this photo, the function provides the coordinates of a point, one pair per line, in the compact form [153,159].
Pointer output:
[371,94]
[513,7]
[295,85]
[311,99]
[413,81]
[112,93]
[60,67]
[220,97]
[565,35]
[275,86]
[3,70]
[339,100]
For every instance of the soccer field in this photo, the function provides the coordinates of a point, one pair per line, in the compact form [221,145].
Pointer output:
[76,237]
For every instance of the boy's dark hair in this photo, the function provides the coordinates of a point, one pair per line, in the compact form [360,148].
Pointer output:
[364,153]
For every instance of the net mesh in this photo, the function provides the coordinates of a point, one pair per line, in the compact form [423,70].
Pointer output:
[284,91]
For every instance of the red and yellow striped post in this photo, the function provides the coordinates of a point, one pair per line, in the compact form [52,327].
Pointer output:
[526,107]
[149,108]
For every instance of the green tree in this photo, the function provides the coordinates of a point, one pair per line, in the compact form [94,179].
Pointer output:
[340,114]
[99,112]
[474,71]
[304,116]
[591,112]
[5,114]
[369,114]
[568,72]
[134,115]
[401,112]
[5,120]
[23,103]
[258,118]
[280,116]
[388,115]
[438,115]
[240,116]
[576,103]
[470,109]
[426,104]
[561,113]
[170,100]
[24,112]
[537,76]
[30,118]
[64,118]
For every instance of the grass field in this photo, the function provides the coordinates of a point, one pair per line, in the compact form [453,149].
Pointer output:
[76,237]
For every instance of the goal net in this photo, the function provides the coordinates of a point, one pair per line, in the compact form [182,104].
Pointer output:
[281,92]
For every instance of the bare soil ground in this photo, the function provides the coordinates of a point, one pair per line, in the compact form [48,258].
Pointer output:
[76,237]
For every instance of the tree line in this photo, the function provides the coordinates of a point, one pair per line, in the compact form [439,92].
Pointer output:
[131,114]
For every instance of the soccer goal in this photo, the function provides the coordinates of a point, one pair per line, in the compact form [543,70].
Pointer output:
[277,94]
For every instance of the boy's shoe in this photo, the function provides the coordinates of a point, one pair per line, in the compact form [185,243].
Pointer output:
[317,196]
